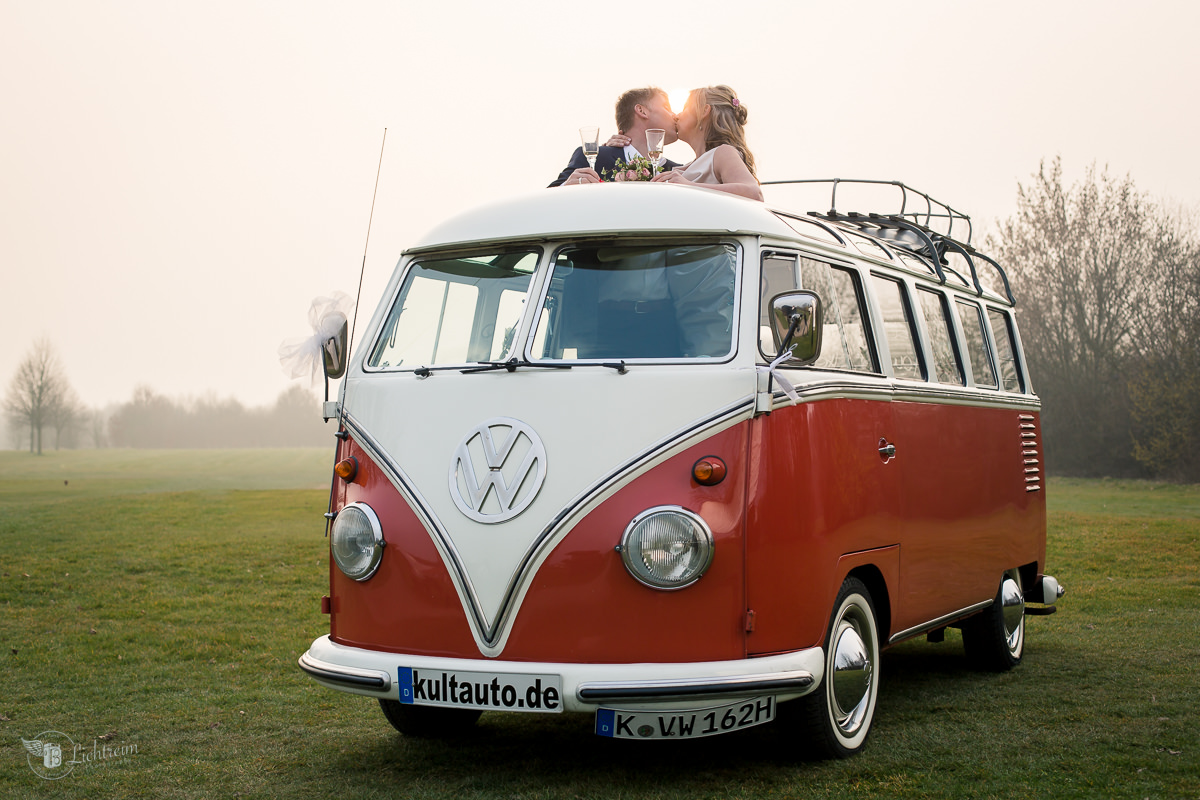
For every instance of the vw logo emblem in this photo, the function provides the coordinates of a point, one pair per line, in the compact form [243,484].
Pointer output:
[497,470]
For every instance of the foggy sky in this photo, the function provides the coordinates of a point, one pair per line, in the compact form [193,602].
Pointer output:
[180,180]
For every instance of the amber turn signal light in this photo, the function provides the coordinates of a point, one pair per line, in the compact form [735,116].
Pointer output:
[709,471]
[346,469]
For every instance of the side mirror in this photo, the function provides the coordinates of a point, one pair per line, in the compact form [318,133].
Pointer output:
[796,324]
[333,353]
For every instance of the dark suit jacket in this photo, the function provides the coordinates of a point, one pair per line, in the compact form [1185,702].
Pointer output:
[604,162]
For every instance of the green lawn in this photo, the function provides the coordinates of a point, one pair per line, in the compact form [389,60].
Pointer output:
[101,473]
[160,599]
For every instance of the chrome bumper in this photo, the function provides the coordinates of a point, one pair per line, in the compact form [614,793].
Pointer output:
[1046,591]
[585,686]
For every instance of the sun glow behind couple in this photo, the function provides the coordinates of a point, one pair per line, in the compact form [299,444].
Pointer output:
[677,98]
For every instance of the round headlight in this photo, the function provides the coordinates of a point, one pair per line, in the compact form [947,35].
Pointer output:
[356,541]
[667,547]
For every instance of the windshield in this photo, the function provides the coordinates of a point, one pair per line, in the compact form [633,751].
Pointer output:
[651,302]
[456,311]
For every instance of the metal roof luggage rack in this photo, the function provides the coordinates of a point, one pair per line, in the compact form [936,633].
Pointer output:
[911,229]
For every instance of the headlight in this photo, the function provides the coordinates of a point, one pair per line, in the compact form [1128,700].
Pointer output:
[667,547]
[356,541]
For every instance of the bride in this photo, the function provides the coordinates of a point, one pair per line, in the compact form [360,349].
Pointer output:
[713,123]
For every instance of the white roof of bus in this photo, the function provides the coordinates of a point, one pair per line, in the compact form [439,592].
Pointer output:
[598,209]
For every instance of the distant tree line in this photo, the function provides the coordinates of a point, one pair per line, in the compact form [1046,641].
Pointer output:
[1108,299]
[151,420]
[40,402]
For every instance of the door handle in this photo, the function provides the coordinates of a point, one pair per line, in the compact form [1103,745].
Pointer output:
[887,451]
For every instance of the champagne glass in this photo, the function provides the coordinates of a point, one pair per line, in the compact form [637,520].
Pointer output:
[654,146]
[591,143]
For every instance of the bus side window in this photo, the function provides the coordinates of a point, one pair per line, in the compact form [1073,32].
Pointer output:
[947,368]
[971,316]
[844,340]
[778,276]
[1002,335]
[898,328]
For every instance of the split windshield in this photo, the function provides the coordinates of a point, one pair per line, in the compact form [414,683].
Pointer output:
[602,303]
[456,311]
[651,302]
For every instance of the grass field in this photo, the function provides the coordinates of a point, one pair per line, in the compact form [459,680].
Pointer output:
[159,600]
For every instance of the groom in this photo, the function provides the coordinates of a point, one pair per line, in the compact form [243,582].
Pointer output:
[638,111]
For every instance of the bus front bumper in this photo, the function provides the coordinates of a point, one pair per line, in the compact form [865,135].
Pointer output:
[585,687]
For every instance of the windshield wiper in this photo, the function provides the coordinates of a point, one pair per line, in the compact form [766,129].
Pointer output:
[425,372]
[619,366]
[511,365]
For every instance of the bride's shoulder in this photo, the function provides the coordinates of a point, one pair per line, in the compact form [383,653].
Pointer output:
[726,154]
[725,151]
[717,153]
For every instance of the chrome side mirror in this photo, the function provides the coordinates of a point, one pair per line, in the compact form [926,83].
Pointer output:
[333,353]
[796,323]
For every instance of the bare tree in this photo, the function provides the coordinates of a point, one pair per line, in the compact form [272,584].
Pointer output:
[16,432]
[37,388]
[97,427]
[1164,381]
[66,415]
[1101,275]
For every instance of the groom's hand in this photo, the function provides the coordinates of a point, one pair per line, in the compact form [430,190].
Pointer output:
[583,175]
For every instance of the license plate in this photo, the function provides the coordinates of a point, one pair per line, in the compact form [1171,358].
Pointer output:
[684,724]
[486,691]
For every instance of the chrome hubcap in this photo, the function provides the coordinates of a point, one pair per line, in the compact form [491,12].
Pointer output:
[851,678]
[1013,605]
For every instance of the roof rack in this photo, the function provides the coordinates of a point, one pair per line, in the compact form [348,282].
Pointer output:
[935,210]
[911,229]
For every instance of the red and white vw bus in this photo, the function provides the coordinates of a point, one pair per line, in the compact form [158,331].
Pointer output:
[681,461]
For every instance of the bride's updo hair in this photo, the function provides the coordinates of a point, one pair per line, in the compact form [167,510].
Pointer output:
[726,121]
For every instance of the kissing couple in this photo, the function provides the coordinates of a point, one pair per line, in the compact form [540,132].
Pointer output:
[712,123]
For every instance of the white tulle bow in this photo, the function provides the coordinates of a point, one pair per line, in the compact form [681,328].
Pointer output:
[783,382]
[327,315]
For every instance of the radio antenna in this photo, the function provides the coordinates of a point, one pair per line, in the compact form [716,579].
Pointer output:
[363,271]
[341,434]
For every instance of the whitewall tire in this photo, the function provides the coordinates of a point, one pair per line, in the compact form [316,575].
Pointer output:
[836,717]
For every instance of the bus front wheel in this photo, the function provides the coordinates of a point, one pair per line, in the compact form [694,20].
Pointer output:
[427,721]
[836,717]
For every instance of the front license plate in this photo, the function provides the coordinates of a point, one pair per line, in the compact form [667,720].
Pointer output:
[486,691]
[684,724]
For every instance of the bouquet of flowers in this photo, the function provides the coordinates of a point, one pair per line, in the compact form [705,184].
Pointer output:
[639,168]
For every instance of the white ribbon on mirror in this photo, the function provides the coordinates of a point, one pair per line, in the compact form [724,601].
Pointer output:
[327,315]
[783,382]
